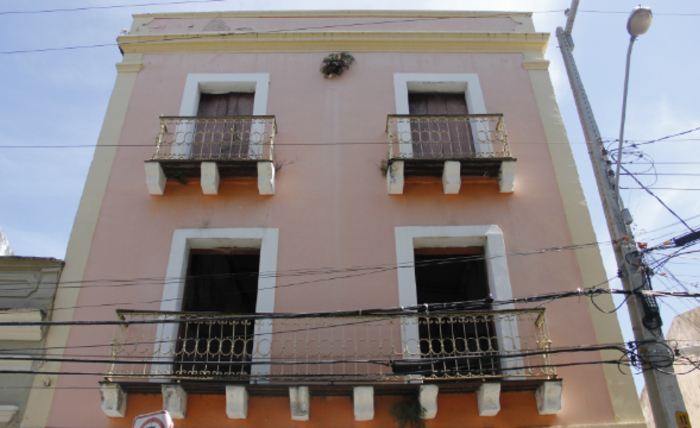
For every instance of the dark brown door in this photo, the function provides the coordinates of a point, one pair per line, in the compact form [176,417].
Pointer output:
[220,135]
[440,137]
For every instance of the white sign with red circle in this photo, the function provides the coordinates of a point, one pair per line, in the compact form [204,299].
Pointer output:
[154,420]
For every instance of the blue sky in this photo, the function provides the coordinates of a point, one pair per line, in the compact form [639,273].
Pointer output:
[60,97]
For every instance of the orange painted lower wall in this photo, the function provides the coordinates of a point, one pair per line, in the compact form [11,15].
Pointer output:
[454,410]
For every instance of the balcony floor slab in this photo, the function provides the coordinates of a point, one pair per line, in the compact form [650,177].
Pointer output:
[470,167]
[342,390]
[192,168]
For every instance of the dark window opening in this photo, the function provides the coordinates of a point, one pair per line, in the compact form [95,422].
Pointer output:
[218,133]
[466,343]
[219,282]
[440,137]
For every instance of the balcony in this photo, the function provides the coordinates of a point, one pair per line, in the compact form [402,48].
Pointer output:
[451,147]
[473,345]
[212,148]
[184,353]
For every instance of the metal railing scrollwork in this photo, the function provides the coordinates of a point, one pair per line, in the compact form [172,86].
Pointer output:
[453,345]
[216,138]
[466,136]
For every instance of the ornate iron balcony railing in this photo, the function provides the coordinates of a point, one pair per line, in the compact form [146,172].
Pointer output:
[466,136]
[455,345]
[216,138]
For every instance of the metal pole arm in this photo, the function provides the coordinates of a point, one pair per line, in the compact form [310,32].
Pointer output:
[622,121]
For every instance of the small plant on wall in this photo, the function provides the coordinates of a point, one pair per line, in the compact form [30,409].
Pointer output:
[408,413]
[179,176]
[335,63]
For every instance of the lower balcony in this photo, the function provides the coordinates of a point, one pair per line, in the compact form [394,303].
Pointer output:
[212,148]
[180,354]
[392,348]
[450,147]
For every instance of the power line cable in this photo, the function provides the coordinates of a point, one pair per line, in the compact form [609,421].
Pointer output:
[384,360]
[667,137]
[362,272]
[337,143]
[86,8]
[683,174]
[277,144]
[495,15]
[100,283]
[658,199]
[434,308]
[81,9]
[230,33]
[680,189]
[224,34]
[669,225]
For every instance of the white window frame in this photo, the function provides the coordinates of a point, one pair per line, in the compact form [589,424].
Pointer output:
[219,83]
[467,83]
[184,240]
[408,238]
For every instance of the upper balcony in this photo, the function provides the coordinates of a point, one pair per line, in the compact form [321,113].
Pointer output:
[451,147]
[213,148]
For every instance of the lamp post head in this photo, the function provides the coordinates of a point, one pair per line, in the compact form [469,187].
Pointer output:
[639,21]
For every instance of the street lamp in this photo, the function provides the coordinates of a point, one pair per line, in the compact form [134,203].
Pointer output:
[638,23]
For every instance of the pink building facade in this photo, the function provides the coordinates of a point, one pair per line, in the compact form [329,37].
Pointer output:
[432,179]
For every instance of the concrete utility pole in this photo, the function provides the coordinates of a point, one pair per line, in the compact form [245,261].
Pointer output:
[664,394]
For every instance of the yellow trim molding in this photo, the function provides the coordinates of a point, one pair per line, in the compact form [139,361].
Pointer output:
[41,396]
[129,67]
[621,389]
[536,65]
[324,41]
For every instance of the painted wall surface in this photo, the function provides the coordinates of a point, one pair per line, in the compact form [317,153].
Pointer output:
[454,410]
[332,210]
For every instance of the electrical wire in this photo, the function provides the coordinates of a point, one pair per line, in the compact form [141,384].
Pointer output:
[494,15]
[661,188]
[81,9]
[667,137]
[658,199]
[670,225]
[109,283]
[338,143]
[448,309]
[630,356]
[286,361]
[683,174]
[226,34]
[434,308]
[373,270]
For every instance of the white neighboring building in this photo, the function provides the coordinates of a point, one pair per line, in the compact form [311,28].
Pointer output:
[5,249]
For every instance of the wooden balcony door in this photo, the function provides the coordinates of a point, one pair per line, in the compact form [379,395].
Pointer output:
[217,134]
[441,138]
